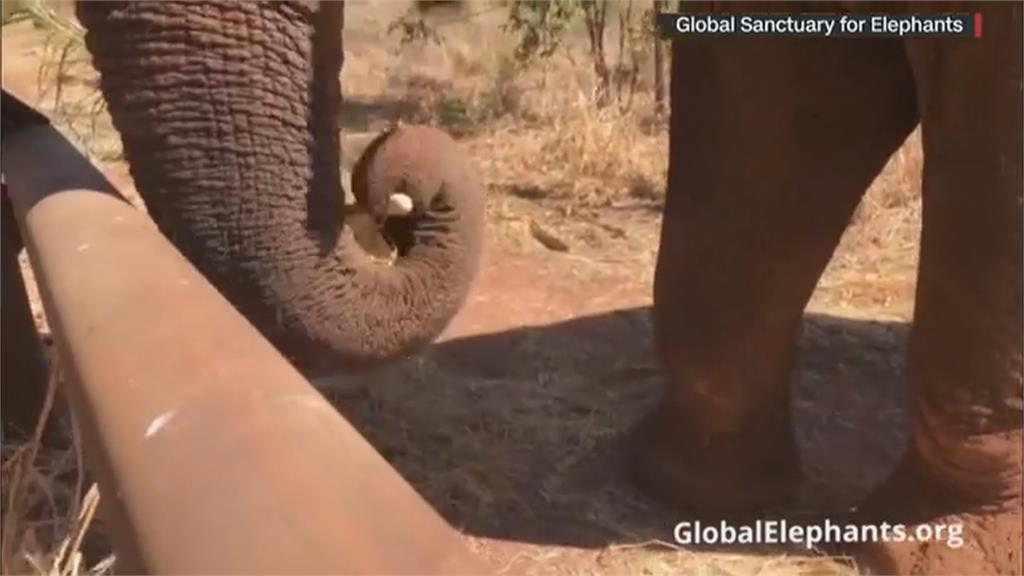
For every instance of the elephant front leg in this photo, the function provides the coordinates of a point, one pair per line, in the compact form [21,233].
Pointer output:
[773,143]
[963,467]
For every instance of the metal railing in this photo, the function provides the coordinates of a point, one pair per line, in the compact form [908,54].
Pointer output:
[213,454]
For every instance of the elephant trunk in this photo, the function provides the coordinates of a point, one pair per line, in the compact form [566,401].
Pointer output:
[228,115]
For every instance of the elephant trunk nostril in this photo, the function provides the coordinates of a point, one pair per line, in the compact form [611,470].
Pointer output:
[420,187]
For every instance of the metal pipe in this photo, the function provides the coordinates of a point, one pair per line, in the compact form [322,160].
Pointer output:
[212,453]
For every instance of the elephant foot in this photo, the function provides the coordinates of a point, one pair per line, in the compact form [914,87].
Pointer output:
[718,476]
[939,539]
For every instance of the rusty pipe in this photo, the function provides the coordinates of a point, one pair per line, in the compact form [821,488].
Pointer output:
[212,453]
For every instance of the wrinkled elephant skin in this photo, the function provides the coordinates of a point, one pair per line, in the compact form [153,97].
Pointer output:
[228,112]
[773,143]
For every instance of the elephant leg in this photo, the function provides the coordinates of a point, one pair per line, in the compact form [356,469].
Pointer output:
[773,143]
[22,368]
[963,466]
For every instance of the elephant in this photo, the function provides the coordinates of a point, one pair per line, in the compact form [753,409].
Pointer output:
[226,113]
[773,142]
[232,140]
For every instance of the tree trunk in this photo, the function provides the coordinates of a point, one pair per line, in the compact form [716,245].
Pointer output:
[594,14]
[659,66]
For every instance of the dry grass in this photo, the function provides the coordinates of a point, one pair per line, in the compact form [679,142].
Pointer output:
[66,83]
[47,512]
[874,269]
[534,129]
[581,155]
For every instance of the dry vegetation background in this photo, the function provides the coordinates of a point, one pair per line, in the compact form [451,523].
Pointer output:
[574,187]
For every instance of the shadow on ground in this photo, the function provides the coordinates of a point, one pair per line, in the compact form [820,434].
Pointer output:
[515,435]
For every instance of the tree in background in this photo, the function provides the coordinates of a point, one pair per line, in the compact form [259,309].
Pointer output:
[659,64]
[541,28]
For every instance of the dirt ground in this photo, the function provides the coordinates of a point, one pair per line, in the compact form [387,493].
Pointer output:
[510,424]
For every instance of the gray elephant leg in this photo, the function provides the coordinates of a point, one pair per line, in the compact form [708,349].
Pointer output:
[964,461]
[773,143]
[23,368]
